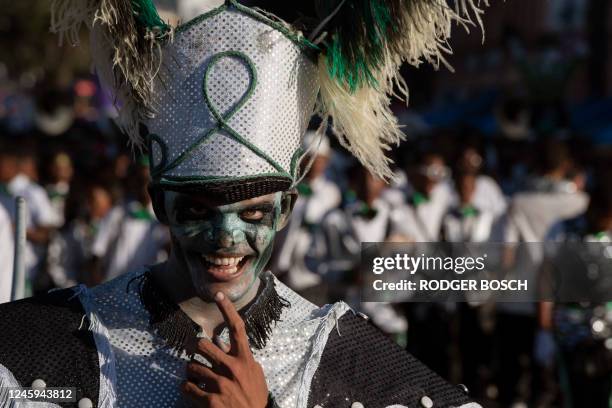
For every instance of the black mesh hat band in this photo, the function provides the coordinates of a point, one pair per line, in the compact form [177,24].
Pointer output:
[227,191]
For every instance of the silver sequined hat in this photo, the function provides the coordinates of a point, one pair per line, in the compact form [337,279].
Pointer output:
[223,100]
[238,94]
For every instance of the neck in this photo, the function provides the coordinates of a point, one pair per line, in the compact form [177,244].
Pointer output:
[174,277]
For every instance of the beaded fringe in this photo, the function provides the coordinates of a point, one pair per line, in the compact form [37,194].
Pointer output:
[172,324]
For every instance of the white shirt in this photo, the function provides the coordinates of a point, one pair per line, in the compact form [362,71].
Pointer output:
[125,243]
[300,242]
[40,213]
[487,197]
[473,228]
[423,222]
[375,229]
[532,214]
[67,253]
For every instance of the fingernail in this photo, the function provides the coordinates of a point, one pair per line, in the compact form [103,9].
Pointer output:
[219,296]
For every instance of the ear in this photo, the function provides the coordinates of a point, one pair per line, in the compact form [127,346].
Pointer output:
[159,204]
[287,202]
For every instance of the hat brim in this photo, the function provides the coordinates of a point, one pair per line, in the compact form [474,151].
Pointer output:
[227,191]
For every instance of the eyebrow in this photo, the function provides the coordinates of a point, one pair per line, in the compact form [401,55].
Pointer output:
[267,207]
[183,201]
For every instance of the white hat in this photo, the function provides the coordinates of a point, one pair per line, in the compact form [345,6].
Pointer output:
[226,97]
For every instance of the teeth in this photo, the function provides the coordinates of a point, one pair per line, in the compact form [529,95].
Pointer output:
[222,261]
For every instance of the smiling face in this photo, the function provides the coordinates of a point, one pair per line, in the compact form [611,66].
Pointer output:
[224,247]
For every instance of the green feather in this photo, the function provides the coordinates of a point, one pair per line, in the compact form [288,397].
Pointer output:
[356,49]
[146,16]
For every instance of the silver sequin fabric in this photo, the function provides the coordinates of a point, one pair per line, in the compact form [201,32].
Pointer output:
[138,370]
[149,374]
[224,54]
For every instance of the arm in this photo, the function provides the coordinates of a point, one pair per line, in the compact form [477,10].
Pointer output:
[362,365]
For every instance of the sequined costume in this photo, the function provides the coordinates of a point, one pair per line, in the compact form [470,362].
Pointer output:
[326,356]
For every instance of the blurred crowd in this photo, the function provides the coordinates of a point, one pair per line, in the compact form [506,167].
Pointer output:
[89,215]
[504,353]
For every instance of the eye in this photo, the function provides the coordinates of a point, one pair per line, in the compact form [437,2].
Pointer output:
[192,212]
[197,210]
[252,215]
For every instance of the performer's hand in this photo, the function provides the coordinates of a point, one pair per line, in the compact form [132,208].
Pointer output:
[235,380]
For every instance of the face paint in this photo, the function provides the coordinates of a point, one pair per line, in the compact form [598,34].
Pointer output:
[222,248]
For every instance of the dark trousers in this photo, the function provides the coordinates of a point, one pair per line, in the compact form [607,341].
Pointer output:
[430,335]
[585,390]
[514,347]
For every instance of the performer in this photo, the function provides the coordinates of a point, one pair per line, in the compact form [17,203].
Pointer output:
[487,195]
[576,328]
[129,236]
[364,216]
[467,222]
[223,101]
[302,250]
[420,205]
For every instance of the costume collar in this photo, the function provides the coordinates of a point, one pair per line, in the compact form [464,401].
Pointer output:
[418,198]
[137,211]
[468,211]
[304,189]
[602,236]
[4,189]
[169,321]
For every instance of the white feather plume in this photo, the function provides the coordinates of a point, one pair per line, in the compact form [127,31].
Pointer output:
[362,119]
[127,59]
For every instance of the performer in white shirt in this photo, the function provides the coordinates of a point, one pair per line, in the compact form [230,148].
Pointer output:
[420,206]
[303,249]
[466,222]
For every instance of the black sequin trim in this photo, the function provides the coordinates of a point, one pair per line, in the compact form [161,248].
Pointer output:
[176,328]
[229,191]
[165,317]
[260,316]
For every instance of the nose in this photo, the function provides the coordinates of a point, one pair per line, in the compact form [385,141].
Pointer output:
[228,233]
[225,239]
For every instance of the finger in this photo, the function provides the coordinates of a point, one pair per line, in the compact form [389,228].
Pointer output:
[213,353]
[222,344]
[200,373]
[238,336]
[191,390]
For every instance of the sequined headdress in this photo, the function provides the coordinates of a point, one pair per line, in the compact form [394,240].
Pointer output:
[223,100]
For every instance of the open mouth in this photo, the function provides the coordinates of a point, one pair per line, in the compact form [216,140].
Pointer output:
[225,268]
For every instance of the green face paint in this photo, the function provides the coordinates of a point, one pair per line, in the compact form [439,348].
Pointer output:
[222,247]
